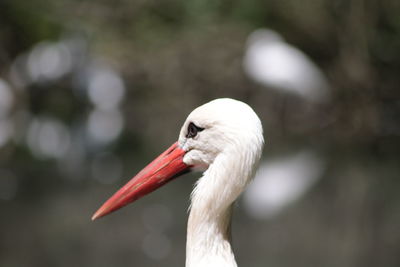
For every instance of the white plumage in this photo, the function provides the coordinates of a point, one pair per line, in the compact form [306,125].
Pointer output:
[224,138]
[230,148]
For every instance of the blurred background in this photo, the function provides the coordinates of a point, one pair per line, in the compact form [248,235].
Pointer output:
[92,90]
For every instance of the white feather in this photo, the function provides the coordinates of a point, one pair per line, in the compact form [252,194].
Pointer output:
[229,149]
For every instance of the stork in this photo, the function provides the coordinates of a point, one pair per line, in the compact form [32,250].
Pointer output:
[224,139]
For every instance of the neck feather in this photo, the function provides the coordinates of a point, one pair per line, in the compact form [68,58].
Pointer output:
[208,236]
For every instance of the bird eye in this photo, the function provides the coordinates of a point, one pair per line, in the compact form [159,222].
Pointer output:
[193,129]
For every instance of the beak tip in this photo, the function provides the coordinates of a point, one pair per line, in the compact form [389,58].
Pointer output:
[94,217]
[97,215]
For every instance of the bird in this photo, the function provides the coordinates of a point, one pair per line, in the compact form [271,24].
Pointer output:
[224,140]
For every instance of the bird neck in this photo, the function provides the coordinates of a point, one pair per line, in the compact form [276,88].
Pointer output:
[208,232]
[208,241]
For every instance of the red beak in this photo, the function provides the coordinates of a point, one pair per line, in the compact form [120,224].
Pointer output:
[163,169]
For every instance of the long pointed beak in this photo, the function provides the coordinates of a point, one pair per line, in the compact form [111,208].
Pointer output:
[163,169]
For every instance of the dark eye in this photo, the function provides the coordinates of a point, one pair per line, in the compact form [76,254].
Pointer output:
[193,130]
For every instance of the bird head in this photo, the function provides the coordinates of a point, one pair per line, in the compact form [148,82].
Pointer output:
[214,130]
[217,127]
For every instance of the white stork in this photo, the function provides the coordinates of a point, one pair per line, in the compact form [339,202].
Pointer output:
[223,138]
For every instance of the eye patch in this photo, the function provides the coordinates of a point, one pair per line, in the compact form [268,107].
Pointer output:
[192,130]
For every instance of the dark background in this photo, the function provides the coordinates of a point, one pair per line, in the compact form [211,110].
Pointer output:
[92,90]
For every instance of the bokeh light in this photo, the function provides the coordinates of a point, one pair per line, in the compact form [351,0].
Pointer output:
[49,61]
[280,182]
[48,138]
[272,62]
[104,126]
